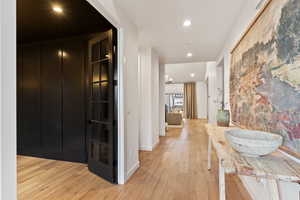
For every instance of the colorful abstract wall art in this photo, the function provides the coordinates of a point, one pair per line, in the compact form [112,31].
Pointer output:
[265,73]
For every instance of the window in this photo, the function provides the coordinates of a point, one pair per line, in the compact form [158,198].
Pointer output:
[174,102]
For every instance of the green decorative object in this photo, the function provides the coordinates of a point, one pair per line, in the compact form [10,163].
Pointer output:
[223,118]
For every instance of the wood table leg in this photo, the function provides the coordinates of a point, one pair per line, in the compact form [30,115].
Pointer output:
[222,192]
[274,190]
[209,153]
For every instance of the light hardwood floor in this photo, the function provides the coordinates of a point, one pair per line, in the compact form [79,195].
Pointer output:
[175,170]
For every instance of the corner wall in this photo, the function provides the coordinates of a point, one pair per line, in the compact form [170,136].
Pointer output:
[162,120]
[131,110]
[145,120]
[149,102]
[211,78]
[201,92]
[155,98]
[258,190]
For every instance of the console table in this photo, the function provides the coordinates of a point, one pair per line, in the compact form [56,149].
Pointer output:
[274,167]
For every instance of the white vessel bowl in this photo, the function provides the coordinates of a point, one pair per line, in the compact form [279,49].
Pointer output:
[253,143]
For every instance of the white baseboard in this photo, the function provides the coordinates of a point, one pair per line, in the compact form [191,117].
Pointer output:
[175,126]
[132,170]
[146,148]
[149,148]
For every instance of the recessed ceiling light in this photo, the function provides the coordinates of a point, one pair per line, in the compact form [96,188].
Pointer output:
[192,74]
[170,79]
[189,55]
[187,23]
[57,9]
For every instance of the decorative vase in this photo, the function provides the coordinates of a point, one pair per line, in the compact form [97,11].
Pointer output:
[223,118]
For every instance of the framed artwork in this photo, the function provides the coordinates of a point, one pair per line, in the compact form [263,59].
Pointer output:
[265,73]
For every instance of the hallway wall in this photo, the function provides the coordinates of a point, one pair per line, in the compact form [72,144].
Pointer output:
[130,77]
[258,190]
[155,97]
[201,91]
[162,120]
[149,102]
[211,77]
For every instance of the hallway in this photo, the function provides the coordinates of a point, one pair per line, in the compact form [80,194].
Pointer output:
[176,169]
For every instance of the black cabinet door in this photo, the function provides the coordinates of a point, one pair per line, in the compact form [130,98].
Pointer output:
[51,97]
[74,104]
[29,135]
[101,134]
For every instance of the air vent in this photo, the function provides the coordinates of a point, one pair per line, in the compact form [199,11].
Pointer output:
[260,4]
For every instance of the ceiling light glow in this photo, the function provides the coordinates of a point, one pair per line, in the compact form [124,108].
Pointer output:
[192,74]
[187,23]
[57,9]
[189,55]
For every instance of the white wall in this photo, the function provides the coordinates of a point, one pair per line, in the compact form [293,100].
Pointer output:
[181,72]
[149,104]
[201,91]
[174,88]
[162,121]
[220,84]
[145,134]
[258,191]
[131,109]
[8,100]
[155,97]
[211,74]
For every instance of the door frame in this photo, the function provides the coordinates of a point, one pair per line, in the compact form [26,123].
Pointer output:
[8,122]
[108,169]
[106,9]
[8,103]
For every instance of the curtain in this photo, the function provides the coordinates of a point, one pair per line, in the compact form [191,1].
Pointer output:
[190,103]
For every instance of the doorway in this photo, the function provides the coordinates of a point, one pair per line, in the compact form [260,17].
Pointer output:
[67,91]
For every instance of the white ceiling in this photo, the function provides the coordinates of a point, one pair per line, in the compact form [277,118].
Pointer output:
[180,73]
[160,25]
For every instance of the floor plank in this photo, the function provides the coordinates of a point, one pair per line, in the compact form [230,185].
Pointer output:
[175,170]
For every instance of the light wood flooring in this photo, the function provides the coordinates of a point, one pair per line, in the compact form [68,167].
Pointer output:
[175,170]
